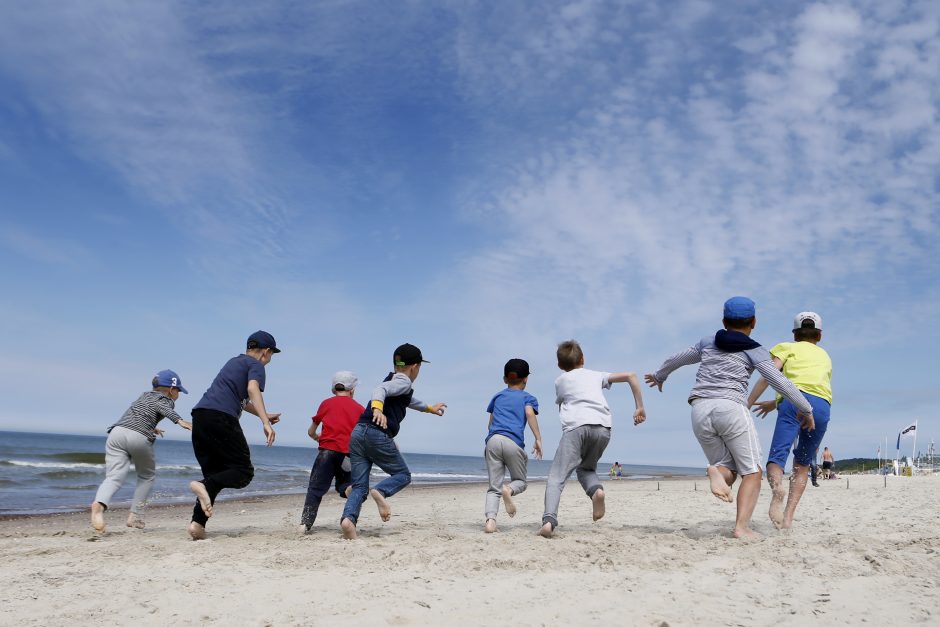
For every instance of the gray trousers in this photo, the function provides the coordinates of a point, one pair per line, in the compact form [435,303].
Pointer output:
[503,454]
[579,449]
[123,447]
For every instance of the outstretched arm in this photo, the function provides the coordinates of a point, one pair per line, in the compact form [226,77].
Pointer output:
[533,423]
[783,385]
[689,356]
[765,407]
[630,377]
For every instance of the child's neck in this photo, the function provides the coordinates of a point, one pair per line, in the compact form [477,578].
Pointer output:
[516,386]
[342,393]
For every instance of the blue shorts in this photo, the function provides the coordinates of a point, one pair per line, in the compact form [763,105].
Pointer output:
[788,431]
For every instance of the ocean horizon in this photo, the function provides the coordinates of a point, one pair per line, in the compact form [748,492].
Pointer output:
[43,473]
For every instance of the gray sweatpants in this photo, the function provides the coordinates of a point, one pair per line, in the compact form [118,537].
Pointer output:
[579,449]
[503,454]
[123,447]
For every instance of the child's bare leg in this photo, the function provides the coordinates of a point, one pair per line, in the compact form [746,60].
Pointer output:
[197,531]
[747,500]
[508,502]
[202,495]
[349,529]
[775,479]
[97,516]
[797,487]
[135,521]
[600,508]
[384,510]
[721,478]
[490,526]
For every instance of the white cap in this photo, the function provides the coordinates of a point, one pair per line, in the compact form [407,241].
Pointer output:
[807,315]
[346,379]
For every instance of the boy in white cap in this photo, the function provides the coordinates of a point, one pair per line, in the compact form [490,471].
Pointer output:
[810,369]
[337,416]
[131,439]
[721,421]
[218,440]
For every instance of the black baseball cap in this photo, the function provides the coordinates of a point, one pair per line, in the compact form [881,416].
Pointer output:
[408,354]
[516,369]
[262,339]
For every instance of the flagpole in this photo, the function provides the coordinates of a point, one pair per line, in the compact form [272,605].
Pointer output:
[914,450]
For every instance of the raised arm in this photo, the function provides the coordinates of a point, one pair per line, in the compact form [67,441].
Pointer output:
[689,356]
[630,377]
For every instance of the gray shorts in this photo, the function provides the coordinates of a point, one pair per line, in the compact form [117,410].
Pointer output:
[725,430]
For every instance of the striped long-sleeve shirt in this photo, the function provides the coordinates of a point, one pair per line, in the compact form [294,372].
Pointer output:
[144,414]
[725,375]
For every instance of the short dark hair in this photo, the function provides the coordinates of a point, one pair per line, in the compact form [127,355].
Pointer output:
[807,332]
[738,323]
[569,355]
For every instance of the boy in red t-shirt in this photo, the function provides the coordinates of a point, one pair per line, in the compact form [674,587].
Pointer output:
[338,415]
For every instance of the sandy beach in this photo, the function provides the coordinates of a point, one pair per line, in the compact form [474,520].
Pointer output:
[866,554]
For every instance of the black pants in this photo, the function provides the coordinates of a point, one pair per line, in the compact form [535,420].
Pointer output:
[222,452]
[328,464]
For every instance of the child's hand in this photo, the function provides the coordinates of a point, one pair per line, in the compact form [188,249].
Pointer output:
[764,408]
[537,449]
[269,433]
[437,408]
[274,418]
[186,425]
[653,383]
[807,421]
[639,416]
[379,418]
[158,432]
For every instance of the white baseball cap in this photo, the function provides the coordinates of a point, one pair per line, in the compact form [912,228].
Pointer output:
[345,380]
[811,316]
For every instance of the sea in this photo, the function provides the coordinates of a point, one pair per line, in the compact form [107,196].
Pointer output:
[43,473]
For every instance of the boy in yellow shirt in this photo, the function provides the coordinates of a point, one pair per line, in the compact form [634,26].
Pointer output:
[810,369]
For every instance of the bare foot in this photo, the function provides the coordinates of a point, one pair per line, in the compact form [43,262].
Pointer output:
[197,531]
[546,531]
[507,501]
[97,516]
[599,506]
[747,533]
[720,487]
[199,489]
[133,520]
[490,526]
[384,510]
[349,529]
[776,504]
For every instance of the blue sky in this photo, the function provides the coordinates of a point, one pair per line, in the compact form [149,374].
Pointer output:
[481,179]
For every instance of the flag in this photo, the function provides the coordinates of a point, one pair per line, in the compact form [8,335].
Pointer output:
[910,430]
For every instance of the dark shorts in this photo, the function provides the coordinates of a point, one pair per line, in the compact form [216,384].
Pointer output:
[827,465]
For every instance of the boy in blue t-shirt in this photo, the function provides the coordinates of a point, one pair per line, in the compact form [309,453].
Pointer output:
[510,410]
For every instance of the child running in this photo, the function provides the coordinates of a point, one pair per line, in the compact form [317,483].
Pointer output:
[720,419]
[510,410]
[218,440]
[585,424]
[131,439]
[809,367]
[372,440]
[337,415]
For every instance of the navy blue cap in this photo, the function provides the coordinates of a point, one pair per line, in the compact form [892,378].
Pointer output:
[739,308]
[169,379]
[516,369]
[262,339]
[408,354]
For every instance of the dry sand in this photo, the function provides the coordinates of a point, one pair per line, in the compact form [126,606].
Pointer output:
[866,554]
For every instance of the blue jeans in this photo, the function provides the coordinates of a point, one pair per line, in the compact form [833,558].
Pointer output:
[369,445]
[329,464]
[787,431]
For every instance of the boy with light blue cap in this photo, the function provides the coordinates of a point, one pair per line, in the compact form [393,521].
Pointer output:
[721,421]
[131,439]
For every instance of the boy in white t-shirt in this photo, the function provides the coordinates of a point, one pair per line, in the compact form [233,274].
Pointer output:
[585,424]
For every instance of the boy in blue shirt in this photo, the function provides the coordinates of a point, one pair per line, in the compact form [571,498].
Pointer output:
[373,438]
[510,410]
[218,441]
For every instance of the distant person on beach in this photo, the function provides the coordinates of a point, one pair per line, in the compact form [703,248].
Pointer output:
[720,418]
[829,463]
[809,367]
[218,440]
[585,424]
[337,415]
[372,440]
[616,471]
[510,411]
[131,439]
